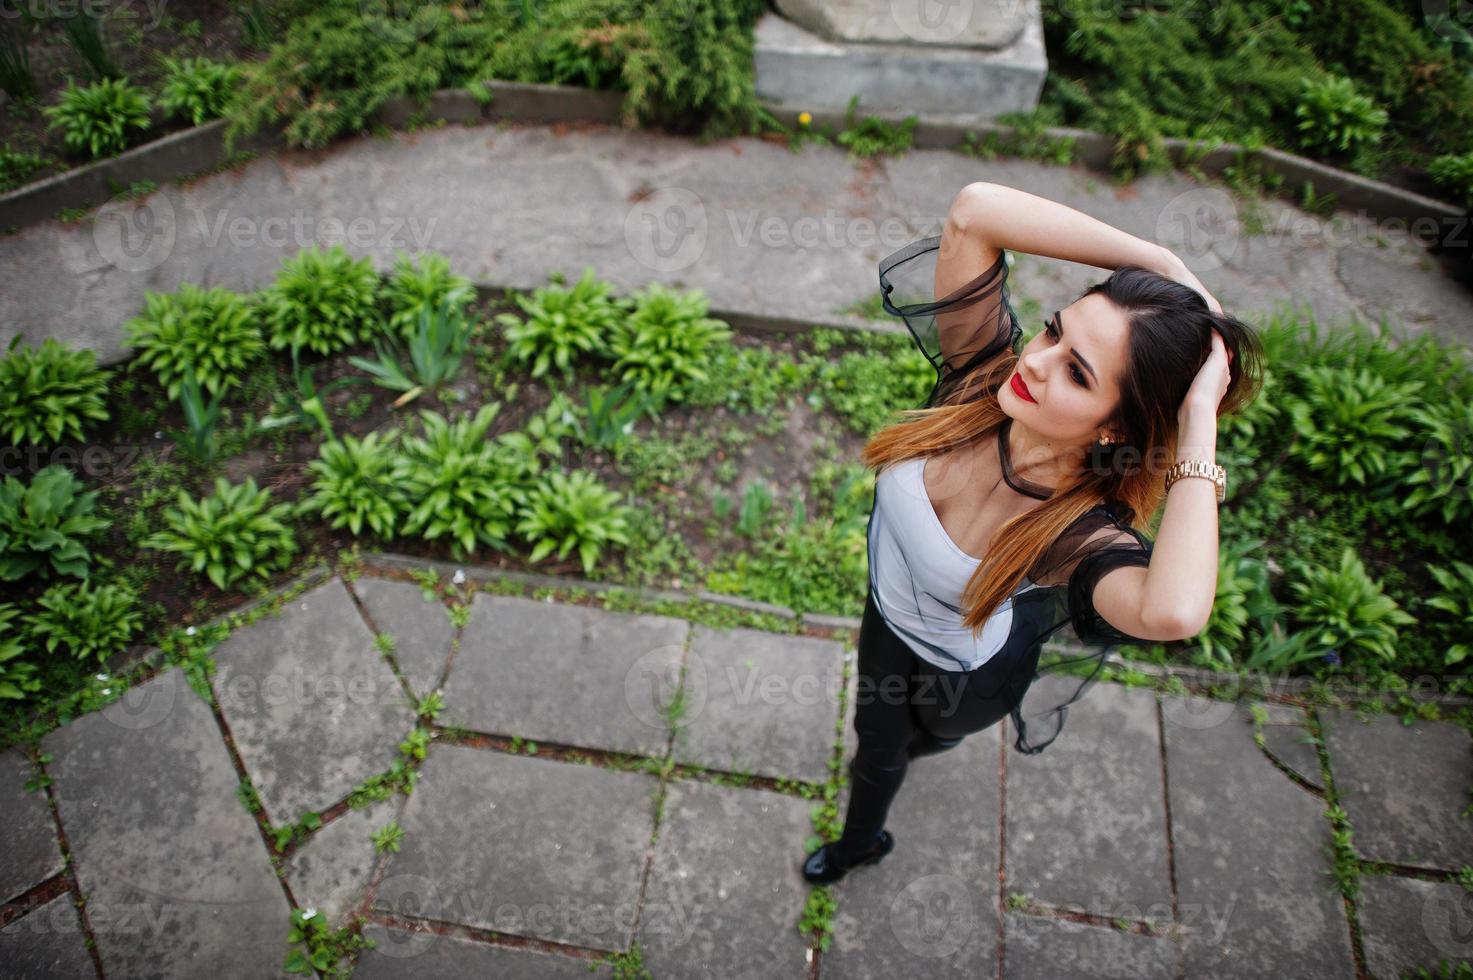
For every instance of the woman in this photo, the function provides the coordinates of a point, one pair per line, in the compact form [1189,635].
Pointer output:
[1013,502]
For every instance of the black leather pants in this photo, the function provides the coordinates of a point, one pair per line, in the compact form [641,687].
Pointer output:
[906,705]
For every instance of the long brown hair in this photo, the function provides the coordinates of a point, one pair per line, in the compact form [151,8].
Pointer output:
[1170,337]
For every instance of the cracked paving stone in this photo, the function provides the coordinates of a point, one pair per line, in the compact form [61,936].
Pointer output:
[31,853]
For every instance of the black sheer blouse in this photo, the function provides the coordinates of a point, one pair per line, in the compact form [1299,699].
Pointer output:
[967,335]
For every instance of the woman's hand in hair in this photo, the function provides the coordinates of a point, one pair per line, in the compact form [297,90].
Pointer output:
[1177,269]
[1211,382]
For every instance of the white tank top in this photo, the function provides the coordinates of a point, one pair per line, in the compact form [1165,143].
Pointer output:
[917,573]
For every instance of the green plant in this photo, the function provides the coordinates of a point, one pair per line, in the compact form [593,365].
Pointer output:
[232,533]
[424,285]
[49,393]
[1346,609]
[44,525]
[388,837]
[355,486]
[15,64]
[1454,171]
[201,417]
[83,620]
[321,300]
[197,89]
[305,401]
[1456,599]
[1442,486]
[1243,595]
[95,119]
[18,680]
[436,352]
[214,332]
[573,511]
[83,31]
[666,341]
[1334,116]
[326,948]
[562,323]
[612,413]
[453,481]
[1350,422]
[16,168]
[255,24]
[873,136]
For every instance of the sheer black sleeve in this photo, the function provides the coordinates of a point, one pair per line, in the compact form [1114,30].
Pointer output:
[961,333]
[1099,541]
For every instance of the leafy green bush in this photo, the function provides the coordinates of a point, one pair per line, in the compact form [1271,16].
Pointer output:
[751,379]
[322,301]
[867,387]
[1345,609]
[44,525]
[1334,116]
[1454,171]
[609,415]
[228,535]
[1352,422]
[1244,598]
[423,285]
[666,342]
[95,119]
[49,393]
[197,89]
[201,417]
[570,511]
[355,485]
[1456,599]
[454,484]
[83,620]
[214,332]
[18,679]
[1442,485]
[436,353]
[16,168]
[562,323]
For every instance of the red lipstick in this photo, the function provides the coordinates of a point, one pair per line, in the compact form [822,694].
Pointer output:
[1020,389]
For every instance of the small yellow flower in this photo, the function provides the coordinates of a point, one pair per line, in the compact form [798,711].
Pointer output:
[804,119]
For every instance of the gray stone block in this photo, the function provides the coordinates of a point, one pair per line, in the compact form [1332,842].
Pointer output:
[567,674]
[1287,740]
[724,896]
[31,854]
[399,953]
[930,907]
[982,23]
[796,67]
[1407,924]
[1087,816]
[1404,787]
[760,703]
[522,845]
[47,943]
[421,629]
[1254,890]
[312,706]
[1057,949]
[331,871]
[177,879]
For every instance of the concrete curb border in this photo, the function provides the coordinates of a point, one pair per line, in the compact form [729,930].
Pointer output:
[192,151]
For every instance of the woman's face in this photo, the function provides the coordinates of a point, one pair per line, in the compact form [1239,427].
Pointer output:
[1065,386]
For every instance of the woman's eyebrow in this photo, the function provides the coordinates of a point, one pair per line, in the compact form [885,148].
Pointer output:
[1059,322]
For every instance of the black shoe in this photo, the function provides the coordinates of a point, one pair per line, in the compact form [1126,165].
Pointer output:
[930,745]
[824,866]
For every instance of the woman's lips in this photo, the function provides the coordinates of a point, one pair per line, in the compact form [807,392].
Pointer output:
[1020,389]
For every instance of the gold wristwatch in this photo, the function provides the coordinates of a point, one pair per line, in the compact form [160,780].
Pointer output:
[1199,467]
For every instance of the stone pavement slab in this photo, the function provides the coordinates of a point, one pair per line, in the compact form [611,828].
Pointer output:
[1251,853]
[1289,742]
[331,870]
[47,944]
[930,908]
[725,897]
[1086,817]
[1407,924]
[312,706]
[563,673]
[31,853]
[421,628]
[400,954]
[760,703]
[1036,947]
[1405,788]
[177,879]
[523,845]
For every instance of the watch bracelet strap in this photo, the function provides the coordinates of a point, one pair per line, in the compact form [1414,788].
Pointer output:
[1202,468]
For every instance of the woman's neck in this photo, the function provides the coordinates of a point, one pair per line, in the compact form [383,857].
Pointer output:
[1039,460]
